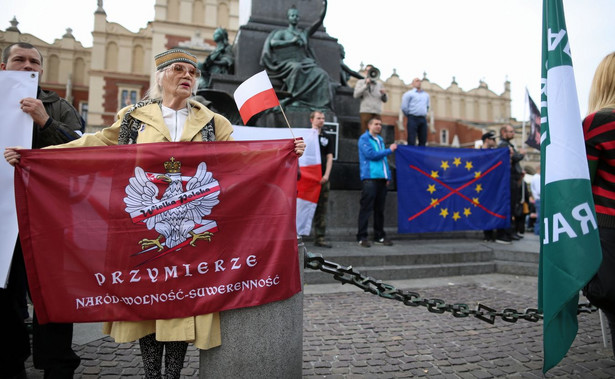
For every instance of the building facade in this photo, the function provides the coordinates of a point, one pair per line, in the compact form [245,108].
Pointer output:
[66,64]
[117,71]
[118,68]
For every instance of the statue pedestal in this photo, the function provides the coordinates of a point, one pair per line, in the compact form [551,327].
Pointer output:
[259,342]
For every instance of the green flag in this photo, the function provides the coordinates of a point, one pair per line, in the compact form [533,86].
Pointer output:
[570,247]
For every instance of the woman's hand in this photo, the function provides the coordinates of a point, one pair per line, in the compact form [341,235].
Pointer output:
[12,157]
[299,146]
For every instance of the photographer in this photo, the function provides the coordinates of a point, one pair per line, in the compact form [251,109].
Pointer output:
[372,94]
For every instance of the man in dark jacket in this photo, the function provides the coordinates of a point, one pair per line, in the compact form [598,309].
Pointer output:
[55,121]
[507,133]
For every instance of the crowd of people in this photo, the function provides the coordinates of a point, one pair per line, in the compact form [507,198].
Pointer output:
[524,191]
[168,112]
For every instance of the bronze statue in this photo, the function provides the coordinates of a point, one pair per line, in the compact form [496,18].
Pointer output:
[346,72]
[287,56]
[219,61]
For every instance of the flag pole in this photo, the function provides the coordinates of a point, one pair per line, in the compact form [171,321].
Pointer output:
[525,105]
[287,123]
[566,264]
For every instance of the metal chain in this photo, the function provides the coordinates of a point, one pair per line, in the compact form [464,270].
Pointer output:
[347,275]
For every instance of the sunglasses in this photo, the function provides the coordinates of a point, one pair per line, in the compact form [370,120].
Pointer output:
[179,69]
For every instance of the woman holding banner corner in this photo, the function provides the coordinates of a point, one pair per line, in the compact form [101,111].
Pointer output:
[165,115]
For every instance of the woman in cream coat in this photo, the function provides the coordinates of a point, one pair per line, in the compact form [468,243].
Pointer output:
[167,115]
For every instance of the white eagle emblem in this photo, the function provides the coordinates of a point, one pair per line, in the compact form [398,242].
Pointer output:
[178,215]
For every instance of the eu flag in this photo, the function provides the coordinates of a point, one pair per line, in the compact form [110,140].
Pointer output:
[445,189]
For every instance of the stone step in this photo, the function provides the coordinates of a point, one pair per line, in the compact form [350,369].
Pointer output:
[388,273]
[516,256]
[516,268]
[409,259]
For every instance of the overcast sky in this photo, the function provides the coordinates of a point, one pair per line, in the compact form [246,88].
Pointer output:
[471,40]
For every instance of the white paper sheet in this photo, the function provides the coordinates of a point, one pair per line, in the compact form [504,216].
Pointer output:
[15,130]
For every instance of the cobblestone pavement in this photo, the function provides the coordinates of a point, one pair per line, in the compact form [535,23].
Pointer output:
[352,334]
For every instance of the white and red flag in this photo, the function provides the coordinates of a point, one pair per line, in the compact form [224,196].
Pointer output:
[255,95]
[308,186]
[141,232]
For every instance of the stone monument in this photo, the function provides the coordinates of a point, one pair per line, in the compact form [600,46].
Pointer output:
[323,50]
[266,341]
[220,61]
[288,57]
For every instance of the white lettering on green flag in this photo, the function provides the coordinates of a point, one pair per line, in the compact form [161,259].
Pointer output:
[570,247]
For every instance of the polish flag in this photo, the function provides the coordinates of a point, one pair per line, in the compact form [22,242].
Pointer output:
[308,186]
[255,95]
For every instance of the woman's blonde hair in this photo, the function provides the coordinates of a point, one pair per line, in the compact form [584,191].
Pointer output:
[602,92]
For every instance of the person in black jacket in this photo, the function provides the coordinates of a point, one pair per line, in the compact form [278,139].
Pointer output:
[507,133]
[488,139]
[55,121]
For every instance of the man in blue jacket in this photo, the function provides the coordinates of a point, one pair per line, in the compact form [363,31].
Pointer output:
[375,175]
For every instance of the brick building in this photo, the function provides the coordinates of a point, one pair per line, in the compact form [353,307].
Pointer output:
[117,70]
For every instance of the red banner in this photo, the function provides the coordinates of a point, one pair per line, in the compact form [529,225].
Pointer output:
[156,231]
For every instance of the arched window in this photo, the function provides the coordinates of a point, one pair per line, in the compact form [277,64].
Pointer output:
[128,95]
[476,107]
[490,110]
[434,102]
[173,10]
[137,59]
[198,12]
[53,69]
[111,57]
[223,15]
[79,71]
[444,137]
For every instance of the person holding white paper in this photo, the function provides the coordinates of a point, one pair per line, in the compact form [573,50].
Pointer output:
[166,114]
[55,121]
